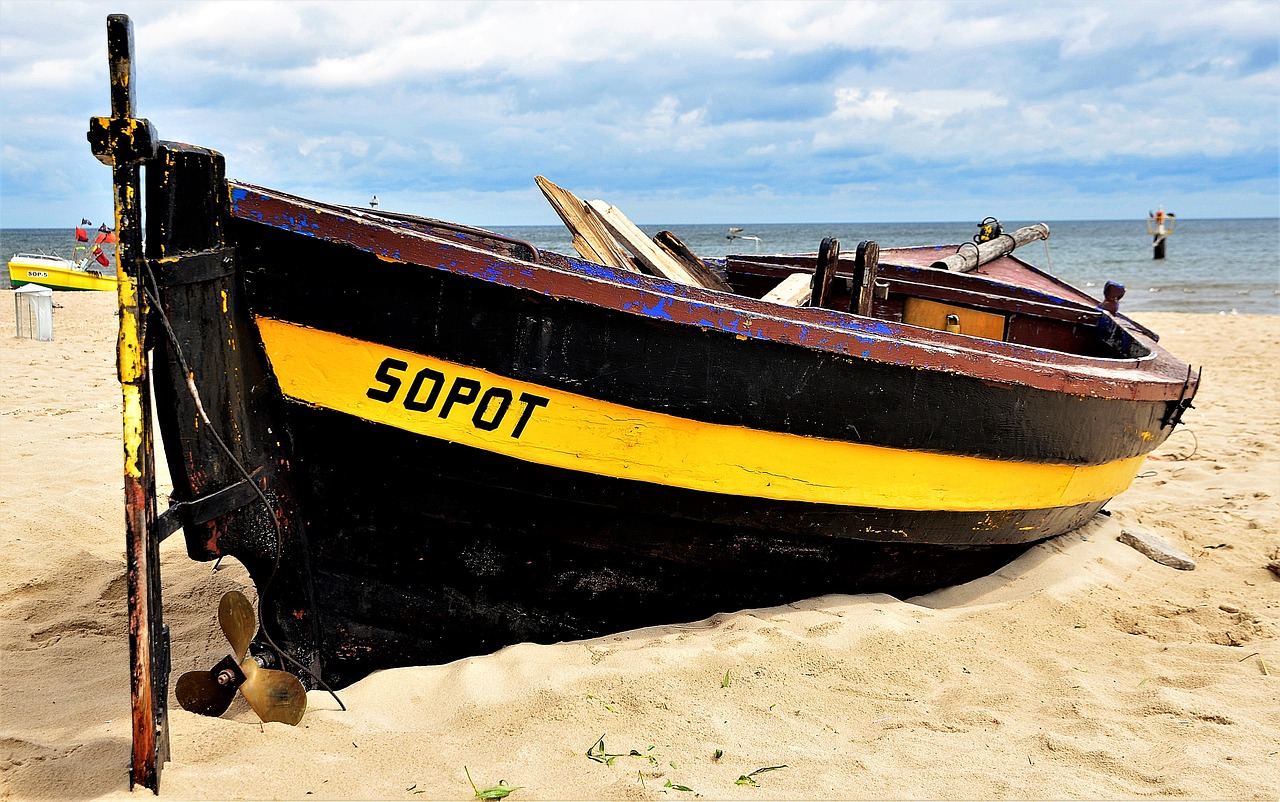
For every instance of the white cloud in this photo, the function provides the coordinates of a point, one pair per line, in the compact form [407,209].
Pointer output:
[707,99]
[855,104]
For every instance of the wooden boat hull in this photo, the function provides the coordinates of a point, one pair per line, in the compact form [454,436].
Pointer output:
[56,274]
[476,444]
[426,441]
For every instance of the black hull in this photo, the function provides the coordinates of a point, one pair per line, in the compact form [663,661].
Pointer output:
[540,590]
[467,560]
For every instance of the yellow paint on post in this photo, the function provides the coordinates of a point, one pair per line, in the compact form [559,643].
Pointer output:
[542,425]
[132,430]
[130,367]
[129,349]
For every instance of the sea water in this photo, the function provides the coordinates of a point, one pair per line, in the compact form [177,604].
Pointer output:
[1210,266]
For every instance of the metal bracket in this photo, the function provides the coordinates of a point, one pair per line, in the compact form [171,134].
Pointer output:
[206,508]
[1173,416]
[194,268]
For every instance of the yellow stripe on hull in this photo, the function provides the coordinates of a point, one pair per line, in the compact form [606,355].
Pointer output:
[476,408]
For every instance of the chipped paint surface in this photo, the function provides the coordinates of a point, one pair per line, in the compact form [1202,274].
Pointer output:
[818,329]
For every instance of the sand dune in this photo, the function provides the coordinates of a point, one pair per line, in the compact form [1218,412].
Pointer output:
[1082,670]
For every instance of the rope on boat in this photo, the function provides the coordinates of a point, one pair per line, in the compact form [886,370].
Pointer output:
[1195,446]
[153,295]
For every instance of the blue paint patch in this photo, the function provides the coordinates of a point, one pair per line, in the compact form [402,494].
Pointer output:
[605,273]
[301,225]
[238,195]
[658,310]
[875,327]
[493,272]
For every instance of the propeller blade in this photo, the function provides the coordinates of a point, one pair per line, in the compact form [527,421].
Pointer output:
[199,692]
[273,695]
[239,623]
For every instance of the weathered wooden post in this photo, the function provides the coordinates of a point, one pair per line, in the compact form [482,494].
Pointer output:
[824,273]
[125,143]
[866,265]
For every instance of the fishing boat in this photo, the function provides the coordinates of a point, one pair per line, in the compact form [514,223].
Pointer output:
[426,440]
[77,273]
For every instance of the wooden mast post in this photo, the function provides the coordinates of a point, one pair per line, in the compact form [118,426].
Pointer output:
[125,143]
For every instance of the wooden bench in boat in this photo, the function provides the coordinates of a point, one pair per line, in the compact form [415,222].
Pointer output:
[924,296]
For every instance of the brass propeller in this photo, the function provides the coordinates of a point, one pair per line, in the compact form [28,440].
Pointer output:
[274,695]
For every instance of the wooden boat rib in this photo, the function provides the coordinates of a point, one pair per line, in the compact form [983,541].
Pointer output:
[463,441]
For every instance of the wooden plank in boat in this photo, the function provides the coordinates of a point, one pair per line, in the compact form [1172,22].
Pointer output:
[649,254]
[933,315]
[590,239]
[794,290]
[682,253]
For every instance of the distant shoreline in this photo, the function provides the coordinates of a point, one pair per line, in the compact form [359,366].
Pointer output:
[1212,266]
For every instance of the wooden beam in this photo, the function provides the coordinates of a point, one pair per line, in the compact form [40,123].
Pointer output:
[650,255]
[682,253]
[591,240]
[794,290]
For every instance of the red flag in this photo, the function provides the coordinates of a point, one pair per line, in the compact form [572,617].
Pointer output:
[100,256]
[81,235]
[109,237]
[102,237]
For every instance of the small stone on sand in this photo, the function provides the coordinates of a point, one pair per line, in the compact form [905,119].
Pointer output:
[1156,549]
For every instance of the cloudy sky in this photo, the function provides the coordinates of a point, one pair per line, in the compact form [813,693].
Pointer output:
[689,112]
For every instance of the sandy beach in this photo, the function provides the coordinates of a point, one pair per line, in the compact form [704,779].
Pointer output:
[1082,670]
